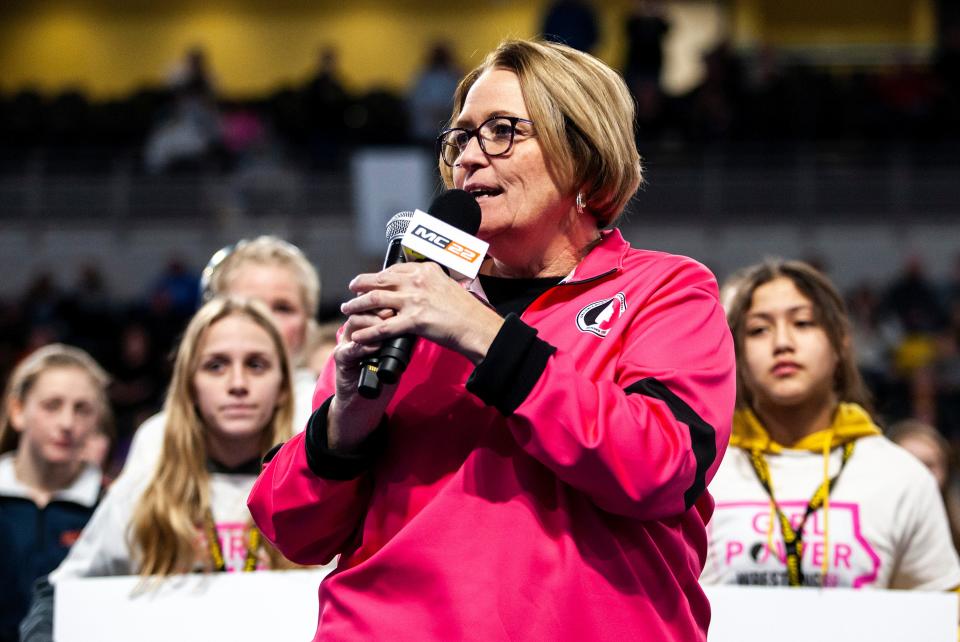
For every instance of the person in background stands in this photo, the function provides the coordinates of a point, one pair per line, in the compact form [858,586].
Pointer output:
[277,273]
[229,401]
[431,94]
[811,493]
[927,444]
[573,23]
[55,402]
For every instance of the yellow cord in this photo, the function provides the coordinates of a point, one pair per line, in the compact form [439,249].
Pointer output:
[773,516]
[826,510]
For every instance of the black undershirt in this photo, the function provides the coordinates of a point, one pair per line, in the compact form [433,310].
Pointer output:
[515,295]
[250,467]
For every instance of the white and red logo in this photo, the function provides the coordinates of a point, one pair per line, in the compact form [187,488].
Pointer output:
[598,317]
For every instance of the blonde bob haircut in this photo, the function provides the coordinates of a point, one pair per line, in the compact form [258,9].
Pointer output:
[26,374]
[829,311]
[583,116]
[262,250]
[163,530]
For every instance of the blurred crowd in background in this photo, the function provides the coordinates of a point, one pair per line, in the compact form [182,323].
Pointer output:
[768,96]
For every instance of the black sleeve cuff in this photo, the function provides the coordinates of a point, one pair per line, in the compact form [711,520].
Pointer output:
[336,465]
[513,365]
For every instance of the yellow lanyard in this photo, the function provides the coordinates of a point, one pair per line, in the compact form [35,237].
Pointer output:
[793,538]
[216,552]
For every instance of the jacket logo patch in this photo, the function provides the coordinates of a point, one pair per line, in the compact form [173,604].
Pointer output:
[598,317]
[69,538]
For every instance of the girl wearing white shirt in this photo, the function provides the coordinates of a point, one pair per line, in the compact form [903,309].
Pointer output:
[810,493]
[229,401]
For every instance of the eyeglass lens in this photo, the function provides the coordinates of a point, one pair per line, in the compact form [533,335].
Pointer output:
[495,135]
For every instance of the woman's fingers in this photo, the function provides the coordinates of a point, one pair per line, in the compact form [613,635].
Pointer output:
[396,288]
[375,334]
[397,276]
[385,280]
[381,303]
[419,299]
[349,349]
[355,351]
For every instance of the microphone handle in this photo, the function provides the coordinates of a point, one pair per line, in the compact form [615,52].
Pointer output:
[394,356]
[391,360]
[369,385]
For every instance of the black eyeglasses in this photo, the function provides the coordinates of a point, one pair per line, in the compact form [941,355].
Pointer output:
[495,136]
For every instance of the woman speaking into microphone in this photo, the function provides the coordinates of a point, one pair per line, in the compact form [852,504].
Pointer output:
[539,472]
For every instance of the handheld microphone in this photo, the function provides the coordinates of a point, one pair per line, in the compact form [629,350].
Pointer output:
[396,228]
[454,208]
[369,383]
[446,235]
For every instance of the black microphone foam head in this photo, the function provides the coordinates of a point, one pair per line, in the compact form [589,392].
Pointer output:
[457,208]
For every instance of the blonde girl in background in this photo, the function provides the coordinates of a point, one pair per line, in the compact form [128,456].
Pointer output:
[55,402]
[277,273]
[229,401]
[928,444]
[810,492]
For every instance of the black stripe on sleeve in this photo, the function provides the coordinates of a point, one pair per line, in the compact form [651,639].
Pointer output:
[512,367]
[337,465]
[703,438]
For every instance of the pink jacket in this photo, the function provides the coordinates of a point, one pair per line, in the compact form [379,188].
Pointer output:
[559,494]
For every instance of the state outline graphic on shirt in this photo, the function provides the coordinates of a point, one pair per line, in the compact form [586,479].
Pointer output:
[848,547]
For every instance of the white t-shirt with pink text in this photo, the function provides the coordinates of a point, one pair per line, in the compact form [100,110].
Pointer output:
[887,526]
[104,546]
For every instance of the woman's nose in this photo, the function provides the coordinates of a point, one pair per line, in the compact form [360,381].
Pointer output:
[782,337]
[67,416]
[238,380]
[472,153]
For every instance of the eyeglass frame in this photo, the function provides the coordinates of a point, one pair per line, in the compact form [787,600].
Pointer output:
[475,133]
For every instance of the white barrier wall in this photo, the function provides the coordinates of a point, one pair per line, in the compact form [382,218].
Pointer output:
[280,606]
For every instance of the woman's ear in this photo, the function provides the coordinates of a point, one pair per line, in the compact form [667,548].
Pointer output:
[16,414]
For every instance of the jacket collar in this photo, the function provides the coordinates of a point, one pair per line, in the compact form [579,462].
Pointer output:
[605,258]
[85,489]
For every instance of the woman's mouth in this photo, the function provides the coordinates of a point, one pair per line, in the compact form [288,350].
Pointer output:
[785,369]
[481,193]
[238,410]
